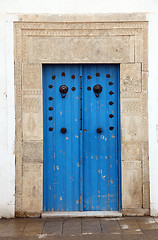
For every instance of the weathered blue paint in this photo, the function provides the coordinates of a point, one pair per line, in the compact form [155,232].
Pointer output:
[61,150]
[81,167]
[100,151]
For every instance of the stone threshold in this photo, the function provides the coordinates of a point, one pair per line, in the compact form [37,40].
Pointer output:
[81,214]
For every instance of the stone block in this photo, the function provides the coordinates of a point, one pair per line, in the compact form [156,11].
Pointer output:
[32,76]
[131,106]
[78,49]
[32,187]
[32,117]
[131,184]
[131,128]
[32,104]
[131,151]
[121,49]
[32,126]
[33,152]
[130,78]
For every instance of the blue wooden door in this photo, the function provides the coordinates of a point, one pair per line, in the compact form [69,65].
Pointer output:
[61,138]
[81,137]
[100,138]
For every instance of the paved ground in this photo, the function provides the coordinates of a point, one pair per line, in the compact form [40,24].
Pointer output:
[133,228]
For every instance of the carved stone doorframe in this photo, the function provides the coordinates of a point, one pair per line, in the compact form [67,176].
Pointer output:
[120,39]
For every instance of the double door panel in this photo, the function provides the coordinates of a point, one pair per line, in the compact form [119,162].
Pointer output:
[81,134]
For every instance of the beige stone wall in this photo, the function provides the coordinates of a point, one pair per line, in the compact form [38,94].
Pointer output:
[81,40]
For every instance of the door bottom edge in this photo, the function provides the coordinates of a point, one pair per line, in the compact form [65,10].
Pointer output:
[82,214]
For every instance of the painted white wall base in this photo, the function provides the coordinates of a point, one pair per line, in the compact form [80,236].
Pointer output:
[82,214]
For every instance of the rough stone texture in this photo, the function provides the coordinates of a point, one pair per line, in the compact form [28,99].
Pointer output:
[82,39]
[32,76]
[131,184]
[131,128]
[33,152]
[109,17]
[131,151]
[130,78]
[32,117]
[32,187]
[78,49]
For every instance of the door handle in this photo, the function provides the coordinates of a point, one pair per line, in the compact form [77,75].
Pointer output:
[99,130]
[63,90]
[97,89]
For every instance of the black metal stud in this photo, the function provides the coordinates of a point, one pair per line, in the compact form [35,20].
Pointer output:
[111,83]
[50,129]
[108,75]
[111,128]
[73,76]
[50,86]
[63,74]
[73,88]
[111,92]
[88,88]
[111,103]
[89,77]
[63,130]
[97,74]
[111,116]
[53,77]
[50,108]
[50,98]
[50,118]
[99,130]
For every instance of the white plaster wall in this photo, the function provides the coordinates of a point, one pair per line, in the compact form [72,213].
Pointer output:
[10,10]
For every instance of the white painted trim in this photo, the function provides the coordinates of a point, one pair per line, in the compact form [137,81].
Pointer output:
[82,214]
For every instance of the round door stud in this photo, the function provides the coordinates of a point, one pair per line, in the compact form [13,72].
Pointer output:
[73,76]
[99,130]
[97,89]
[89,77]
[111,103]
[63,74]
[63,90]
[73,88]
[111,83]
[111,92]
[50,98]
[63,130]
[111,115]
[97,74]
[53,77]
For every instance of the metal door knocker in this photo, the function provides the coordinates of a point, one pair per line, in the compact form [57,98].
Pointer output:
[97,89]
[63,90]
